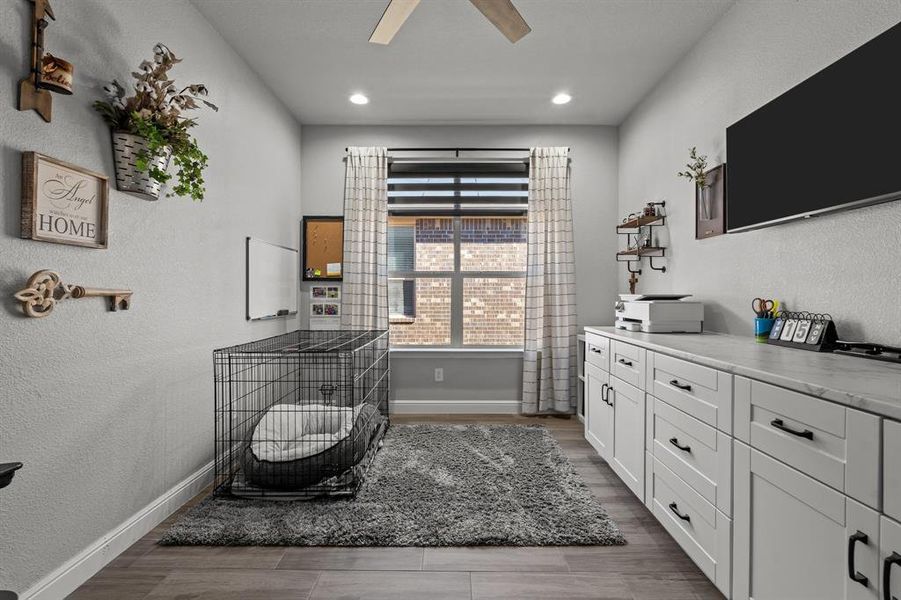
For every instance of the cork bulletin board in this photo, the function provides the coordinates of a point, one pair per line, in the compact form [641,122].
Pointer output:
[323,248]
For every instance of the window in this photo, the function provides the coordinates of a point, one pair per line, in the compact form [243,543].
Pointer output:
[457,255]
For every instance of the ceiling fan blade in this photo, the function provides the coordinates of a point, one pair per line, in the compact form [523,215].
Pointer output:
[394,16]
[505,17]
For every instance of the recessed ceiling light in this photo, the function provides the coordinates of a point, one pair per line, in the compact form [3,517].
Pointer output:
[561,98]
[359,99]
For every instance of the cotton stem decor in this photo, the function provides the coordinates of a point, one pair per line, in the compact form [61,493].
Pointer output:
[149,128]
[549,359]
[364,298]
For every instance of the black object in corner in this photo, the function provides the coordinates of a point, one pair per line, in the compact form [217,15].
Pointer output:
[7,470]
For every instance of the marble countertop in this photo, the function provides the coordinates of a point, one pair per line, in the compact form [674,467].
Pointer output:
[869,385]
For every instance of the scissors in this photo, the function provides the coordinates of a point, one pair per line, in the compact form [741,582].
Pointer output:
[763,307]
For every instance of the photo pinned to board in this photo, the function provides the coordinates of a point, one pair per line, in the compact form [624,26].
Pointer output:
[325,309]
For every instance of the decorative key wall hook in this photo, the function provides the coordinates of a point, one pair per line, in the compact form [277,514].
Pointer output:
[45,289]
[48,73]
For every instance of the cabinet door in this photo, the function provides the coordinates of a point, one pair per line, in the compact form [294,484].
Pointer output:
[628,458]
[890,560]
[598,413]
[792,536]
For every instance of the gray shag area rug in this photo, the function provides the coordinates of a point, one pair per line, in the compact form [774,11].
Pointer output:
[430,485]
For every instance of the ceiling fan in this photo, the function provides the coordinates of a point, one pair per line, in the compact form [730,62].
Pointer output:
[501,13]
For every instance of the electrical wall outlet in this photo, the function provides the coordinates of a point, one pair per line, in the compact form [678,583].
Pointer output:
[439,374]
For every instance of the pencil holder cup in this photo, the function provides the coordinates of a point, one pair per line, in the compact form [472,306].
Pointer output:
[762,329]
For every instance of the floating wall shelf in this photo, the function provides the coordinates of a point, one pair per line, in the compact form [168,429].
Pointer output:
[646,251]
[650,221]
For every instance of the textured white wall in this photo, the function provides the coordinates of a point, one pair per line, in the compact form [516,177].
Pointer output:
[594,155]
[110,410]
[847,264]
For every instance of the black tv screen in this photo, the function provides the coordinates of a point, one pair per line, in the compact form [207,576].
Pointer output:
[831,142]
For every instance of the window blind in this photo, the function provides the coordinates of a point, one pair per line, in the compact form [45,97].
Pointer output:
[458,186]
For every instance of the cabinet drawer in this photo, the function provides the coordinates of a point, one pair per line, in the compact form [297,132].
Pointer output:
[597,351]
[891,469]
[702,531]
[696,452]
[627,362]
[704,393]
[835,445]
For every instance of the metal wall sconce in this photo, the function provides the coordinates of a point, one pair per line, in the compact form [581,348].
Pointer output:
[48,73]
[45,290]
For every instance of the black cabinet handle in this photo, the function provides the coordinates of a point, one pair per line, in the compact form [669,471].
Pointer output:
[623,361]
[894,559]
[852,571]
[595,350]
[675,442]
[607,395]
[681,386]
[778,424]
[675,508]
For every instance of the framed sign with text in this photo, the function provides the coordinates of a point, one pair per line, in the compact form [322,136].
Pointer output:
[63,203]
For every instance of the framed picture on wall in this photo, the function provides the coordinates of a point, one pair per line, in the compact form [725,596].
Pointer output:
[710,205]
[323,248]
[63,203]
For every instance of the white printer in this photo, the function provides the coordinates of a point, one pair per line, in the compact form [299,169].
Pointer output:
[659,313]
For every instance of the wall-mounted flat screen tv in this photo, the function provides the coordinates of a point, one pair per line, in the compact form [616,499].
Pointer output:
[830,143]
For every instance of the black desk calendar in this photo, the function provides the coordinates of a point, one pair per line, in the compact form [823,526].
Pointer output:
[804,330]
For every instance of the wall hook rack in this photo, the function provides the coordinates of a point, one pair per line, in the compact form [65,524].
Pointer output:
[44,290]
[48,73]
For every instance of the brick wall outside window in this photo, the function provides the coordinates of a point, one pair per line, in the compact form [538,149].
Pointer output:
[493,311]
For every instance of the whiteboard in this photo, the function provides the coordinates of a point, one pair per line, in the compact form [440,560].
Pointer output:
[271,280]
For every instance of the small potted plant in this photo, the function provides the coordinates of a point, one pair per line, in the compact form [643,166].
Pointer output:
[696,171]
[149,128]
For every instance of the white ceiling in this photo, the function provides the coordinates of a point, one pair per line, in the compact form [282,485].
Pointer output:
[449,65]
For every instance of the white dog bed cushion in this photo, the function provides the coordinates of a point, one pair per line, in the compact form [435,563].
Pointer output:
[291,431]
[293,447]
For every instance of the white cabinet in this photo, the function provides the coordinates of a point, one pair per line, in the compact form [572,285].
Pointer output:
[793,535]
[627,459]
[598,411]
[891,469]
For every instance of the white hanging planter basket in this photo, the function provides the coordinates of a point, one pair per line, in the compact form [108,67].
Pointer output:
[126,147]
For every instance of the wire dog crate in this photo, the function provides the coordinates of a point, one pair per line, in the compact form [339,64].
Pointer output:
[300,415]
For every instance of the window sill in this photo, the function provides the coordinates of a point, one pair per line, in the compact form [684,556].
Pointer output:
[479,353]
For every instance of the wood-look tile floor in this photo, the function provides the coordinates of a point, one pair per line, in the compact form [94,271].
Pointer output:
[650,567]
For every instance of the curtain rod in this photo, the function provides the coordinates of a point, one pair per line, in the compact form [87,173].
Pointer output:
[458,150]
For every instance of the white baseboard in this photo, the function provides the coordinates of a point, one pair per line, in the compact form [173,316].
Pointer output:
[450,407]
[66,579]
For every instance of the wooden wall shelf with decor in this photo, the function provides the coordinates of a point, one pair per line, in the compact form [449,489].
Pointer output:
[638,229]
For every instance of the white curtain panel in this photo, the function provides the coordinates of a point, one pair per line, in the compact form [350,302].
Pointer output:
[364,296]
[549,368]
